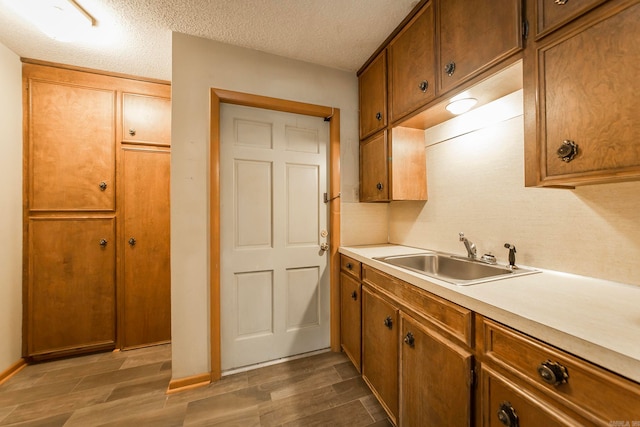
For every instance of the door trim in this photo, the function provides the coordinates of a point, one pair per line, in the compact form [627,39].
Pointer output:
[332,115]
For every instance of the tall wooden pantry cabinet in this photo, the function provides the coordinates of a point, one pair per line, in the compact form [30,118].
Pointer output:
[96,211]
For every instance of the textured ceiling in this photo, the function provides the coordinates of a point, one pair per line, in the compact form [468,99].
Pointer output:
[336,33]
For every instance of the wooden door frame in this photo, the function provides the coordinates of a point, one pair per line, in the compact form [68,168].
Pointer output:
[330,114]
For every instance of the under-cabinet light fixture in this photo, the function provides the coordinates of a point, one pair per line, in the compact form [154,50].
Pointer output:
[62,20]
[459,106]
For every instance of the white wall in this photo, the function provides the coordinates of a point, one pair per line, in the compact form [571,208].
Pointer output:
[476,185]
[11,211]
[199,65]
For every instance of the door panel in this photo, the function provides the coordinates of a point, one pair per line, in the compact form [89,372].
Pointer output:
[71,147]
[274,277]
[146,317]
[71,284]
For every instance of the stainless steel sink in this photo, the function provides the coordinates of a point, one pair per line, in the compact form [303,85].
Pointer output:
[452,269]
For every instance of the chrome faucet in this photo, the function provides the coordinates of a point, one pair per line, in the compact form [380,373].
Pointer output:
[471,247]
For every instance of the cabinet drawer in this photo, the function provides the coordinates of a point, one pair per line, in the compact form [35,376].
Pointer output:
[552,14]
[503,400]
[350,266]
[589,390]
[450,317]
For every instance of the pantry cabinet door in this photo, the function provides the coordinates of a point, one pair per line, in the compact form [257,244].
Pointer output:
[71,147]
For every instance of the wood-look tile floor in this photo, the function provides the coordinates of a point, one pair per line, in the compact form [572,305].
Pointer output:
[129,389]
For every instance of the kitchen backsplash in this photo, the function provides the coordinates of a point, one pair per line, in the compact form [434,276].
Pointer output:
[476,185]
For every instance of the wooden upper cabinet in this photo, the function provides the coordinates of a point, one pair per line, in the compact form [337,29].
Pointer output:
[372,85]
[475,35]
[146,119]
[552,14]
[412,65]
[585,107]
[71,146]
[374,169]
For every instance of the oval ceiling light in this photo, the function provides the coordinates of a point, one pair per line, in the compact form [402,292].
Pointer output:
[62,20]
[460,106]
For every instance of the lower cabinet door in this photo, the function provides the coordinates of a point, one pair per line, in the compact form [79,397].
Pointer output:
[506,403]
[146,289]
[350,317]
[380,349]
[435,378]
[70,306]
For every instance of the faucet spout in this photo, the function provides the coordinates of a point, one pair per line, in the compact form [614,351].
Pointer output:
[471,247]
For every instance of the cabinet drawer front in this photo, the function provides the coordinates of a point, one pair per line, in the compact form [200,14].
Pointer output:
[504,398]
[455,320]
[588,390]
[552,14]
[350,266]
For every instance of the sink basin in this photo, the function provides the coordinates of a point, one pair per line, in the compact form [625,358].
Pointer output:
[452,269]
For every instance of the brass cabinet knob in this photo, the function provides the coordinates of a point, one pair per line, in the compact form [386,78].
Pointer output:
[103,186]
[132,241]
[103,242]
[409,339]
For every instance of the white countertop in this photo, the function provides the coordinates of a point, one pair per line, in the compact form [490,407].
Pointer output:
[594,319]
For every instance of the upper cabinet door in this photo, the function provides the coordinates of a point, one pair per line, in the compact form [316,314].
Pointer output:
[373,96]
[146,119]
[411,65]
[587,108]
[552,14]
[71,147]
[474,35]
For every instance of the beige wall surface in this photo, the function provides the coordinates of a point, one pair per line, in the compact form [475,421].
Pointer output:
[11,212]
[476,185]
[199,65]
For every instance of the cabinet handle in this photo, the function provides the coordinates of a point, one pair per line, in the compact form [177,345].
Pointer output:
[388,322]
[103,242]
[561,2]
[349,266]
[379,115]
[409,339]
[379,186]
[132,241]
[132,132]
[103,186]
[354,295]
[567,151]
[450,68]
[507,415]
[423,86]
[553,373]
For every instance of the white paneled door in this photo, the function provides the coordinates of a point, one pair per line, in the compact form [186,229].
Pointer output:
[274,293]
